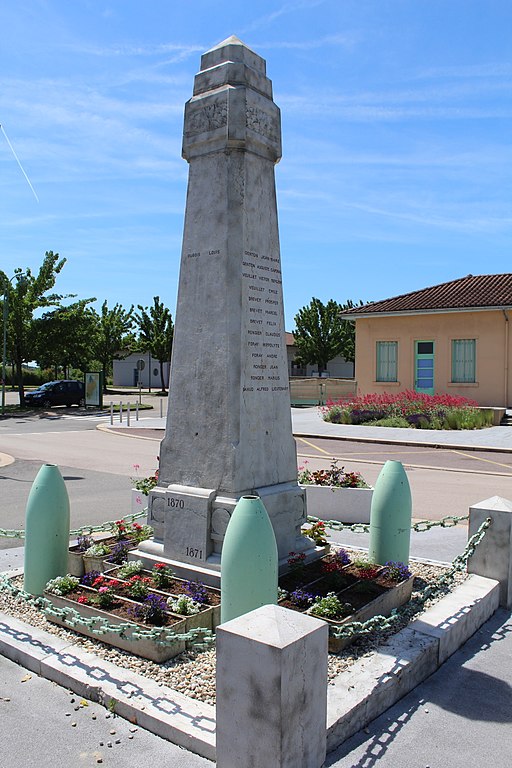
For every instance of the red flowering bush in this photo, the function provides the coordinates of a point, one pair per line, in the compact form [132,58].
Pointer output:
[410,408]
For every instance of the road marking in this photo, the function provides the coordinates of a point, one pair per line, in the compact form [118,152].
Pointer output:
[311,445]
[479,458]
[42,433]
[411,466]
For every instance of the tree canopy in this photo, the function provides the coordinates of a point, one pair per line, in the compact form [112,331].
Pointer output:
[156,333]
[113,336]
[321,334]
[64,337]
[25,294]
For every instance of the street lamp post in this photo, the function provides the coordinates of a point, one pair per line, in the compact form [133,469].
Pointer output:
[7,280]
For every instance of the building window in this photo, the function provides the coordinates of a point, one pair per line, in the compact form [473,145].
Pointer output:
[463,361]
[387,356]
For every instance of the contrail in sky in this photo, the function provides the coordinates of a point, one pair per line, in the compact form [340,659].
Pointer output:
[18,161]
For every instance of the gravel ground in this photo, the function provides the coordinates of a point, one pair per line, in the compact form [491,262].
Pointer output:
[193,672]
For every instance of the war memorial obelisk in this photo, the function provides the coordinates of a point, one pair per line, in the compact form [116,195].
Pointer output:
[228,429]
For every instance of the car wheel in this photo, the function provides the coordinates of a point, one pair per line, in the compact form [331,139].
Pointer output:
[47,403]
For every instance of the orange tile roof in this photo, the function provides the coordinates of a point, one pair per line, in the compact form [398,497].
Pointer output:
[470,292]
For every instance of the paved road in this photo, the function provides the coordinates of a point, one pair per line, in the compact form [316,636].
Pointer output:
[469,701]
[37,730]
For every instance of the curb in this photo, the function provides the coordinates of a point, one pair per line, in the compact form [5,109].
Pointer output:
[397,441]
[6,459]
[357,696]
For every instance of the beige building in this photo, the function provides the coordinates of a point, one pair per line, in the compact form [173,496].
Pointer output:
[453,338]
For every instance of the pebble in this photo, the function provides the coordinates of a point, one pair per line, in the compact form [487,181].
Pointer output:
[112,733]
[118,741]
[73,725]
[193,672]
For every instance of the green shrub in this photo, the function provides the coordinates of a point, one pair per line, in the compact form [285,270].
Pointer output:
[389,421]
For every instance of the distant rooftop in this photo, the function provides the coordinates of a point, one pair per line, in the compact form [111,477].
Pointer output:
[470,292]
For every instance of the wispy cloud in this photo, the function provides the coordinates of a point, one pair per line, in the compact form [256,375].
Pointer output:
[345,40]
[290,7]
[175,52]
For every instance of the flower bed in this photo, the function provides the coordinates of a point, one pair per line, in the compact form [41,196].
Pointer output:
[341,591]
[143,599]
[334,588]
[333,494]
[410,409]
[98,552]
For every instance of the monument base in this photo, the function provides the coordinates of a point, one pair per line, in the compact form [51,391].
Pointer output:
[151,552]
[191,522]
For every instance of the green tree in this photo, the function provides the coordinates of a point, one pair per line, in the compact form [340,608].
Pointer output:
[156,333]
[321,334]
[112,340]
[26,294]
[64,338]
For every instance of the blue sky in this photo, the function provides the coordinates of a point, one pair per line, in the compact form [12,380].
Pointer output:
[397,157]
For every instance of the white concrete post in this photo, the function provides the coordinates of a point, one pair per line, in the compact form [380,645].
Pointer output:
[493,556]
[120,413]
[272,690]
[111,412]
[136,411]
[128,415]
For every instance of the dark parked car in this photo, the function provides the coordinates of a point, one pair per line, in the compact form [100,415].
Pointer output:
[65,392]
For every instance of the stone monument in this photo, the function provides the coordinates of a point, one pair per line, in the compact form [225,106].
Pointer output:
[228,430]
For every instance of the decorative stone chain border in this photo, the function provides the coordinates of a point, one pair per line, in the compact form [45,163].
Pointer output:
[11,533]
[199,637]
[422,525]
[415,605]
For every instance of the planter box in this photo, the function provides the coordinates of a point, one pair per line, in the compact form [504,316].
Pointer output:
[382,605]
[148,649]
[345,505]
[76,566]
[208,619]
[75,562]
[139,501]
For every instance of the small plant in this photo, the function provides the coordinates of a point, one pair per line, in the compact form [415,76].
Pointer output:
[198,592]
[337,561]
[138,587]
[130,569]
[334,476]
[184,605]
[89,578]
[62,585]
[139,532]
[106,596]
[144,484]
[367,569]
[301,598]
[296,561]
[119,529]
[119,552]
[162,575]
[97,550]
[84,542]
[153,610]
[331,607]
[396,571]
[317,533]
[282,594]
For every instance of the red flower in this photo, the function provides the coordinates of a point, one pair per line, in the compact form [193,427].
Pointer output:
[83,599]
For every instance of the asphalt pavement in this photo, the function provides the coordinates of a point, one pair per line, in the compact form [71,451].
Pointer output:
[459,717]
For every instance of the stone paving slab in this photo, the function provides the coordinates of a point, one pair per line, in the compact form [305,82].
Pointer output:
[359,695]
